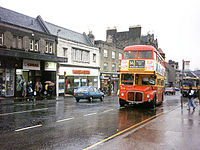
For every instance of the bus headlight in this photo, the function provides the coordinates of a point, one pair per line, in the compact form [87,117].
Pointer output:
[122,94]
[148,96]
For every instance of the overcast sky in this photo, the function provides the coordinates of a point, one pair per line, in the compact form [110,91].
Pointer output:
[175,23]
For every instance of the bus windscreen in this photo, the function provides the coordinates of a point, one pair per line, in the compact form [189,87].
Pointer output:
[127,79]
[145,54]
[130,54]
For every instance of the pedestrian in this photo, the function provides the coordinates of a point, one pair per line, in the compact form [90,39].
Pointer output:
[29,90]
[37,88]
[40,89]
[191,97]
[24,90]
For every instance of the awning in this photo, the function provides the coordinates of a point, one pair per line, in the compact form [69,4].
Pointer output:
[31,55]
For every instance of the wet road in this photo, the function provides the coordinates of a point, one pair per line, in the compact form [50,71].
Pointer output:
[65,124]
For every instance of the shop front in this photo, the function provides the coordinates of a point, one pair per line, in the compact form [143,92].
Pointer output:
[110,82]
[7,77]
[70,78]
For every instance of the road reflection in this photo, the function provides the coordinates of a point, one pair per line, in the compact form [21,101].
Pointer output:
[133,115]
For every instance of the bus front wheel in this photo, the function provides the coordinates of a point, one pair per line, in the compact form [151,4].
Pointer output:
[122,102]
[153,102]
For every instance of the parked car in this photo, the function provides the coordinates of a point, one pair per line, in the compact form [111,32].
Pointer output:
[88,92]
[170,90]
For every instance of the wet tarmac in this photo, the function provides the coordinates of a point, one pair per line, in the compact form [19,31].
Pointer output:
[65,124]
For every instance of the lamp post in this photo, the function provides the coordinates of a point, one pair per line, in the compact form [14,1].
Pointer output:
[183,66]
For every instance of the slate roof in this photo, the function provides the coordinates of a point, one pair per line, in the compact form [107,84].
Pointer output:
[68,34]
[15,18]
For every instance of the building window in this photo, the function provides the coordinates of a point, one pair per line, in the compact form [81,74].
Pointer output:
[31,45]
[65,52]
[105,53]
[1,38]
[105,66]
[120,56]
[20,42]
[113,67]
[14,42]
[50,48]
[47,47]
[113,54]
[119,67]
[36,45]
[80,55]
[94,57]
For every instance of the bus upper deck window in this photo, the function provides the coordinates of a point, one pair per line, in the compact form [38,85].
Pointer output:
[145,54]
[130,54]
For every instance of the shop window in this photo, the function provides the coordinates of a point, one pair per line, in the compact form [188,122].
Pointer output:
[94,57]
[113,54]
[105,66]
[1,39]
[113,67]
[31,45]
[36,45]
[105,53]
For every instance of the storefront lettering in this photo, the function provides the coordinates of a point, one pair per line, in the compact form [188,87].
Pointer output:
[31,65]
[81,71]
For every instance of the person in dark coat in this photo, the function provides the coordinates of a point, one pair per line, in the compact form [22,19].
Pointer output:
[191,94]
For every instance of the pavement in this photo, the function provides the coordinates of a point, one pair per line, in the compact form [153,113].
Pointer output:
[17,100]
[177,129]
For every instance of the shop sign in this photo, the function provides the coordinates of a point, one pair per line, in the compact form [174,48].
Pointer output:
[50,66]
[81,71]
[31,64]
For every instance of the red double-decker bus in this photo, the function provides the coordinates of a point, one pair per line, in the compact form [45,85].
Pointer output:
[142,76]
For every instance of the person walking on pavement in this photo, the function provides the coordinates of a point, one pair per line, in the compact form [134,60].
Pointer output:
[191,97]
[37,88]
[29,90]
[24,88]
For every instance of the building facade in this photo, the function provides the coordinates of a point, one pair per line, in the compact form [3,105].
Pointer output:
[26,51]
[110,63]
[83,66]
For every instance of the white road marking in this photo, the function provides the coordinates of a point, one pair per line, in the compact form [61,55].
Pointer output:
[107,110]
[90,114]
[28,128]
[23,111]
[65,119]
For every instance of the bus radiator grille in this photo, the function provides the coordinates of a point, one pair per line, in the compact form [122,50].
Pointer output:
[135,96]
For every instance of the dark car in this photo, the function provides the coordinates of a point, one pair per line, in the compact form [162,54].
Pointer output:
[170,90]
[88,92]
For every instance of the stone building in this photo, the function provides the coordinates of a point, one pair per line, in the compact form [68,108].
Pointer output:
[27,52]
[110,63]
[131,37]
[172,73]
[83,66]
